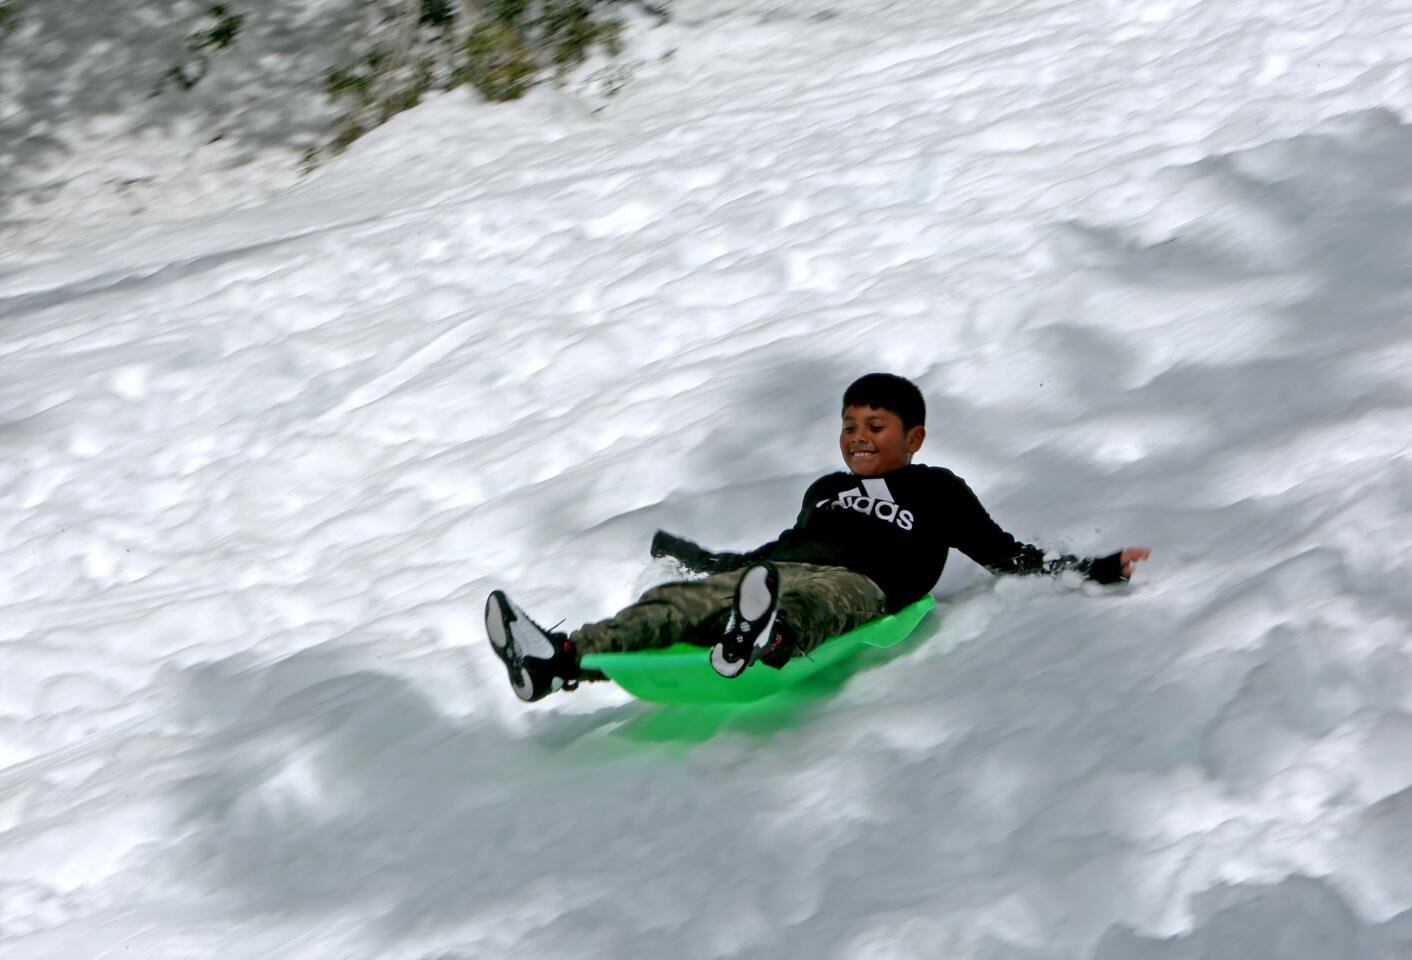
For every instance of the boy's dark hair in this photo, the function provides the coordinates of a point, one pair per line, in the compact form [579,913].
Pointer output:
[888,391]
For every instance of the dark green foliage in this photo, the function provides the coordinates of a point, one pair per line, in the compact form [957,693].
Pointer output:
[419,46]
[355,84]
[498,62]
[9,17]
[197,62]
[346,135]
[569,31]
[511,13]
[221,35]
[309,162]
[437,14]
[522,39]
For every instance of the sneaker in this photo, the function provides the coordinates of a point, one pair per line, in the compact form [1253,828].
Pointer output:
[539,661]
[753,631]
[782,647]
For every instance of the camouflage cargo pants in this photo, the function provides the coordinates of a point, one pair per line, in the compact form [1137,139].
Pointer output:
[818,602]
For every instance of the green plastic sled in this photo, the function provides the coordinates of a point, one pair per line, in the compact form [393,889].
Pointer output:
[682,672]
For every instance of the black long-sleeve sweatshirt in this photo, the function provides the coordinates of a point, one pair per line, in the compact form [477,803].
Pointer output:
[896,529]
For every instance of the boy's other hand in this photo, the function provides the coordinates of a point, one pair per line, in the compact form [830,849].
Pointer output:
[665,544]
[1130,557]
[1116,567]
[680,549]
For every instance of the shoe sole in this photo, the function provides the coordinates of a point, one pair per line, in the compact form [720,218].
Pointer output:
[754,599]
[726,668]
[500,614]
[497,630]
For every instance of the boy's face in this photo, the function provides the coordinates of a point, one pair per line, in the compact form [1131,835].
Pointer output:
[873,441]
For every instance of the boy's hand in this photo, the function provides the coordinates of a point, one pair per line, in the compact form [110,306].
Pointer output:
[694,557]
[680,549]
[1116,567]
[1131,556]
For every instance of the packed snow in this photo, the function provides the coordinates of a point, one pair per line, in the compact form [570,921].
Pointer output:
[1147,260]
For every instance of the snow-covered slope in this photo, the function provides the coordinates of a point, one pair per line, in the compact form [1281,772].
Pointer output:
[1147,260]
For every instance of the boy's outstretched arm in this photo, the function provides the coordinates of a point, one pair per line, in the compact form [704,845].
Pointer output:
[698,559]
[982,539]
[689,554]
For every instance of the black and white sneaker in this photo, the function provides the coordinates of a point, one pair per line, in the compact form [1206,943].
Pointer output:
[539,661]
[752,631]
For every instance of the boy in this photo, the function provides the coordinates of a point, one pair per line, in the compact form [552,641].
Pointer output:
[866,543]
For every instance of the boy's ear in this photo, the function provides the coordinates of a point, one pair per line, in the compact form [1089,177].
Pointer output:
[915,436]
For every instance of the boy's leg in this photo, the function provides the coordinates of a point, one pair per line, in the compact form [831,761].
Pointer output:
[666,614]
[823,602]
[817,602]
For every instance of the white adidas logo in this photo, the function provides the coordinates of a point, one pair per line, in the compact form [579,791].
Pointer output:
[875,500]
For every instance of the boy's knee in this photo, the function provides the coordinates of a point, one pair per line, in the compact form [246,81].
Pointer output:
[658,594]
